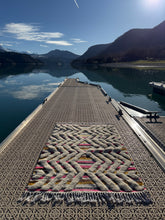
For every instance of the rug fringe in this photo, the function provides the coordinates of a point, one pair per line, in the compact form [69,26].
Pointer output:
[86,197]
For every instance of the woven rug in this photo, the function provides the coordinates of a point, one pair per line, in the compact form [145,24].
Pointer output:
[85,163]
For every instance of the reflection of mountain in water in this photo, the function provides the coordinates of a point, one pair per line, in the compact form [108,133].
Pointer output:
[58,71]
[6,71]
[128,81]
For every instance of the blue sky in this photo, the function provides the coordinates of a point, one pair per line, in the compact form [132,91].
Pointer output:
[39,26]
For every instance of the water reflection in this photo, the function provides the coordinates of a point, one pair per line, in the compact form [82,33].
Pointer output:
[130,85]
[57,71]
[7,71]
[126,80]
[23,89]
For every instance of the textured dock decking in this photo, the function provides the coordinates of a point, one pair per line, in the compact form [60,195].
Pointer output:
[156,129]
[77,103]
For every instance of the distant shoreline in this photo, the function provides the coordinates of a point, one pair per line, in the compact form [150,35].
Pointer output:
[137,64]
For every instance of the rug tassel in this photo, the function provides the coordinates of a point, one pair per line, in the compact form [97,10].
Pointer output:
[86,197]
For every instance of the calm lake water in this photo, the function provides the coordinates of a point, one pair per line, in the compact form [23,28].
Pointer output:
[22,90]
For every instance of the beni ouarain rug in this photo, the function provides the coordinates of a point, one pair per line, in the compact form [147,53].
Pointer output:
[85,164]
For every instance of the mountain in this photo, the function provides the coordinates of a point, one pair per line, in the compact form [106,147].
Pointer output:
[92,51]
[132,45]
[61,54]
[17,59]
[56,57]
[52,58]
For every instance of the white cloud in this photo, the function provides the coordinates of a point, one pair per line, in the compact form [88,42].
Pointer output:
[48,35]
[11,82]
[42,45]
[10,76]
[62,42]
[46,80]
[31,74]
[31,91]
[6,44]
[17,28]
[21,31]
[77,40]
[53,84]
[28,32]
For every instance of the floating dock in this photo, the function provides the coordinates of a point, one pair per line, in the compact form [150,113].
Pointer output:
[75,102]
[158,87]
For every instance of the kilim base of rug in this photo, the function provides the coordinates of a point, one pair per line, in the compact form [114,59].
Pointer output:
[80,164]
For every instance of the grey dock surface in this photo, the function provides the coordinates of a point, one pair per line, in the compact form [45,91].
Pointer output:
[73,102]
[156,129]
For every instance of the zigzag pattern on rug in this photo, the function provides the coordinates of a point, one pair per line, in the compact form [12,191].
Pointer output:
[85,164]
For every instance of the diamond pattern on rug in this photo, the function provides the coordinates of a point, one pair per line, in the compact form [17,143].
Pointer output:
[85,159]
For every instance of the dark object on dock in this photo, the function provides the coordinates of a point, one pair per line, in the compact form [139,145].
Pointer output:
[149,114]
[117,107]
[120,112]
[109,99]
[158,87]
[92,84]
[44,100]
[103,91]
[79,81]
